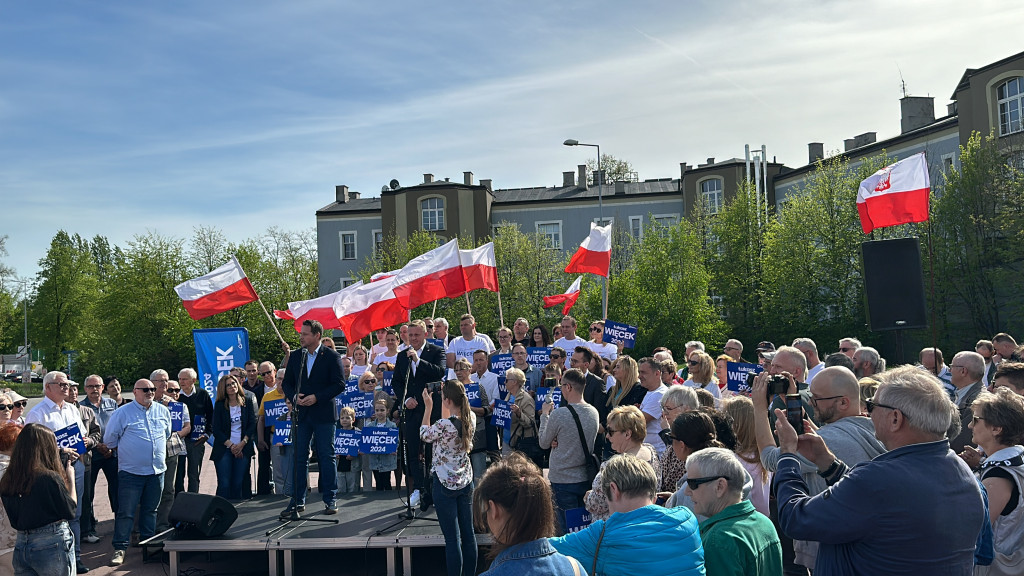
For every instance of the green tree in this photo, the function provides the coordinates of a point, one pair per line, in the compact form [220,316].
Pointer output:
[615,169]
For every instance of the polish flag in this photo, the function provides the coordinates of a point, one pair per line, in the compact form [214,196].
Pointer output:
[362,309]
[431,276]
[894,195]
[595,253]
[569,297]
[480,269]
[320,309]
[223,289]
[384,275]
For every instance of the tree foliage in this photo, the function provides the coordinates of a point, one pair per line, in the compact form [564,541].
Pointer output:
[615,169]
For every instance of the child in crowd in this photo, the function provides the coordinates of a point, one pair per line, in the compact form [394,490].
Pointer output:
[382,464]
[348,466]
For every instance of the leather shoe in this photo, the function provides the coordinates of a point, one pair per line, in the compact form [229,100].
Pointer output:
[290,513]
[332,508]
[80,568]
[425,501]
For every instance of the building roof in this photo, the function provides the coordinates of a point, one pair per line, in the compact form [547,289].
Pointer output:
[965,80]
[353,206]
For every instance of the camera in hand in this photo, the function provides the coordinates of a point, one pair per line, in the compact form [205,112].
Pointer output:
[434,387]
[550,382]
[777,384]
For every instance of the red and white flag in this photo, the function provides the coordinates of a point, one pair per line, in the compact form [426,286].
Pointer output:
[362,309]
[595,253]
[569,297]
[384,275]
[896,194]
[431,276]
[480,269]
[223,289]
[320,309]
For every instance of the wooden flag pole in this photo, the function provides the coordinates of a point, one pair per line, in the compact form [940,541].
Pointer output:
[501,315]
[433,313]
[605,296]
[260,300]
[468,308]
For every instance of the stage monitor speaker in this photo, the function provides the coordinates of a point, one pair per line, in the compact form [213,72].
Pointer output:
[202,514]
[894,284]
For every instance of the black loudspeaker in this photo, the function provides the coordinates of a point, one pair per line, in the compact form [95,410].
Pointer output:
[894,284]
[201,515]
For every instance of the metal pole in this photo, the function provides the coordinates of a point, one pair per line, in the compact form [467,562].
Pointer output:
[600,216]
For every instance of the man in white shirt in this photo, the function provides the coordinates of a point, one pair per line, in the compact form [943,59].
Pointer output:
[488,380]
[810,351]
[569,341]
[469,343]
[650,379]
[597,343]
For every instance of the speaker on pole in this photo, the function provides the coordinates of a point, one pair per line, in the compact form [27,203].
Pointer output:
[894,284]
[202,515]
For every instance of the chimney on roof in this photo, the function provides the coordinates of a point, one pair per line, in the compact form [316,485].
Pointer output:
[428,178]
[568,179]
[353,195]
[341,194]
[815,152]
[467,178]
[620,188]
[599,177]
[582,183]
[951,108]
[447,179]
[486,183]
[711,161]
[915,112]
[859,141]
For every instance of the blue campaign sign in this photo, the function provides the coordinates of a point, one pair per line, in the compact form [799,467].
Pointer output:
[274,409]
[379,440]
[71,437]
[177,415]
[538,357]
[352,386]
[282,433]
[615,332]
[576,519]
[502,417]
[385,379]
[361,402]
[473,395]
[542,396]
[347,442]
[218,350]
[437,342]
[502,390]
[737,375]
[198,428]
[501,362]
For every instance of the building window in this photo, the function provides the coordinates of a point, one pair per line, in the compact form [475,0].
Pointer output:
[503,227]
[346,282]
[1010,96]
[666,220]
[636,227]
[348,245]
[711,191]
[552,231]
[432,213]
[378,241]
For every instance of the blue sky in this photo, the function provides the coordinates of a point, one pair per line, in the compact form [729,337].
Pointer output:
[122,117]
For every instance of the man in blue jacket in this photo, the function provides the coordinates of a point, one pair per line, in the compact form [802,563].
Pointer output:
[916,509]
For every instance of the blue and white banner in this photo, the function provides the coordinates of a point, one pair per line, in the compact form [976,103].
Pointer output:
[71,437]
[198,429]
[378,440]
[542,397]
[502,417]
[501,362]
[274,409]
[282,433]
[502,390]
[218,350]
[736,372]
[437,342]
[385,382]
[473,395]
[615,332]
[346,442]
[538,357]
[351,386]
[177,415]
[360,402]
[576,519]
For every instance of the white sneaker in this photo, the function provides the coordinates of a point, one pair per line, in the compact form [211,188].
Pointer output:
[414,500]
[91,538]
[118,558]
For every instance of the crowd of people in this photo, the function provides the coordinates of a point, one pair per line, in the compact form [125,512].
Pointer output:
[821,463]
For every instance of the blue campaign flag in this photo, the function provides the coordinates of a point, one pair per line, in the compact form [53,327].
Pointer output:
[615,332]
[177,415]
[502,416]
[71,437]
[346,442]
[473,395]
[218,350]
[576,519]
[538,357]
[542,397]
[198,429]
[502,390]
[437,342]
[501,362]
[352,386]
[274,409]
[282,433]
[360,402]
[385,382]
[379,440]
[736,372]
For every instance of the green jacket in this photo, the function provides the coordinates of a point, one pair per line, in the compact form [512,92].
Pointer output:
[740,540]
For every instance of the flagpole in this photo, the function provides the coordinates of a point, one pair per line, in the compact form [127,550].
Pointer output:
[468,309]
[433,313]
[260,300]
[501,315]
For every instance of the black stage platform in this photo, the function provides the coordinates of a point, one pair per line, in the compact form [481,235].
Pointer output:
[369,520]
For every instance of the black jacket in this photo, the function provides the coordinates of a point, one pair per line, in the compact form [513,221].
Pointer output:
[198,404]
[432,368]
[324,380]
[221,431]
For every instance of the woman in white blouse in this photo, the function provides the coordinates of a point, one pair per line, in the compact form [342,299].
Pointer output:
[452,474]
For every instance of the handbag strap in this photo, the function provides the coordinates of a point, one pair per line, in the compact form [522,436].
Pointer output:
[575,566]
[593,567]
[579,428]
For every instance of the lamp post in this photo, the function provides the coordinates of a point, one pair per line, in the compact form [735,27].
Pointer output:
[598,181]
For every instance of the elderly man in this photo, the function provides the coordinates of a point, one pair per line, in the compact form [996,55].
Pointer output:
[734,349]
[56,413]
[167,392]
[810,352]
[650,379]
[103,458]
[737,539]
[933,361]
[916,509]
[200,409]
[867,362]
[1011,375]
[966,371]
[789,361]
[639,536]
[521,332]
[441,330]
[139,431]
[848,346]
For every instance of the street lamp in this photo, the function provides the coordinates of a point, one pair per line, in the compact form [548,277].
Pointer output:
[598,181]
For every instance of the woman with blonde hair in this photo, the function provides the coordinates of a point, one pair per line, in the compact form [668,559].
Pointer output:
[625,430]
[702,373]
[741,409]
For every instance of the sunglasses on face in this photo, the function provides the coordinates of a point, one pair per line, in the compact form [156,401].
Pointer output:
[21,404]
[695,483]
[173,390]
[595,328]
[6,407]
[693,362]
[264,374]
[370,380]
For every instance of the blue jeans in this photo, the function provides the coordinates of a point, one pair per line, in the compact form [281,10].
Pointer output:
[455,515]
[134,491]
[281,461]
[230,472]
[305,433]
[46,551]
[76,524]
[567,497]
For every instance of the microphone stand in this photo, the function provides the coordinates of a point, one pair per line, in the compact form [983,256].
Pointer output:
[409,513]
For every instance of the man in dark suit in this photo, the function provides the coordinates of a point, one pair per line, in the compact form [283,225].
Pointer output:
[418,365]
[966,371]
[312,380]
[594,393]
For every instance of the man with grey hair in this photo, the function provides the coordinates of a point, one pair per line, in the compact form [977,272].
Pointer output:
[810,352]
[737,538]
[734,348]
[690,347]
[521,332]
[200,410]
[933,361]
[916,509]
[867,362]
[175,446]
[440,330]
[103,458]
[848,346]
[966,371]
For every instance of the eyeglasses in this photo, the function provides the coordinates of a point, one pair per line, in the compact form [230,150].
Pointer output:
[669,408]
[695,483]
[146,390]
[816,400]
[693,362]
[595,328]
[957,366]
[612,431]
[973,420]
[731,348]
[61,384]
[871,404]
[6,407]
[160,380]
[845,349]
[371,380]
[21,404]
[94,385]
[267,372]
[173,390]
